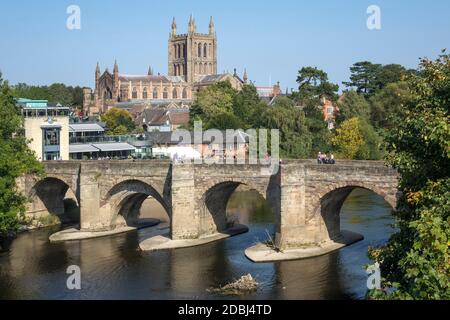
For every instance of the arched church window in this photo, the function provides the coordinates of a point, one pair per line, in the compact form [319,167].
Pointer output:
[174,94]
[155,93]
[144,94]
[175,50]
[165,94]
[108,93]
[205,49]
[184,93]
[199,50]
[179,51]
[134,93]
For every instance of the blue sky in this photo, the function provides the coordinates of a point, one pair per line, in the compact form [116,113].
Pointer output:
[272,39]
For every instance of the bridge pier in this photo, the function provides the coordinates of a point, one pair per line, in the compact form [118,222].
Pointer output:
[91,217]
[184,221]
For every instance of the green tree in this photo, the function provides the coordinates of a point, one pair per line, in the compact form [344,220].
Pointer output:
[16,159]
[390,73]
[55,93]
[313,84]
[356,139]
[364,77]
[388,105]
[118,122]
[224,121]
[415,262]
[246,105]
[368,78]
[373,148]
[351,104]
[215,101]
[295,139]
[348,139]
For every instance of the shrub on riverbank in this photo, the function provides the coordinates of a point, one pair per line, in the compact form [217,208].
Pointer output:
[415,262]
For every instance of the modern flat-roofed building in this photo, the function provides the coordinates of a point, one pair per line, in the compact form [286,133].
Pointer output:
[47,128]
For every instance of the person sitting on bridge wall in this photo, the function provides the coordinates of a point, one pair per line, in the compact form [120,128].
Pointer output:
[323,159]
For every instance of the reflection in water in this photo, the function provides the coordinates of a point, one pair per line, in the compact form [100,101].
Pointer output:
[114,268]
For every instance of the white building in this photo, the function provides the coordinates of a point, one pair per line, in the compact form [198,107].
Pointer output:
[47,128]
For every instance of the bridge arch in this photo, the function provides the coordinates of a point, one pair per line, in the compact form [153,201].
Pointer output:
[329,201]
[214,200]
[125,200]
[52,196]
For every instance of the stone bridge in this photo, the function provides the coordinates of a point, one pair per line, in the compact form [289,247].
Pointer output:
[305,197]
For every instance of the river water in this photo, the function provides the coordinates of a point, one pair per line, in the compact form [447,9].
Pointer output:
[114,267]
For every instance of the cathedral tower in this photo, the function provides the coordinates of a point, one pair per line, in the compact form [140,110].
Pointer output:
[192,54]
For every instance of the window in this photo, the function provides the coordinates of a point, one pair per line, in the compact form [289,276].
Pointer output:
[134,94]
[330,125]
[144,94]
[330,110]
[49,156]
[199,50]
[51,137]
[174,94]
[205,49]
[155,93]
[165,94]
[184,93]
[175,50]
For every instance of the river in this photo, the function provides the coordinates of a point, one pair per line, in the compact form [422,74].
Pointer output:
[114,267]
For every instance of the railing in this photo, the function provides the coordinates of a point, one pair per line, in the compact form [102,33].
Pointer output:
[102,139]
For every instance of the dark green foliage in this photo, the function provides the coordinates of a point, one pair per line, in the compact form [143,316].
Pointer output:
[388,105]
[55,93]
[118,122]
[352,104]
[415,262]
[16,159]
[313,84]
[367,78]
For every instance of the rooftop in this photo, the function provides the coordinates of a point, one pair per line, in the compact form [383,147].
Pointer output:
[85,127]
[39,104]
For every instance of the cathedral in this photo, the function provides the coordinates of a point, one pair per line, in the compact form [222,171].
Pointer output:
[192,66]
